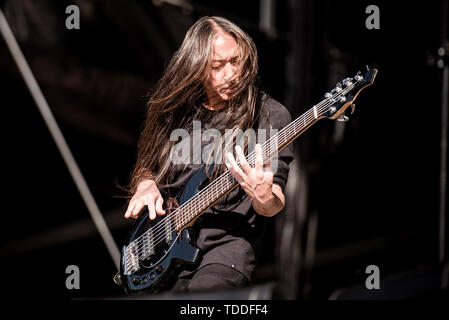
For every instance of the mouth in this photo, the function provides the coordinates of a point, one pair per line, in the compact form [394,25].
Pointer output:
[228,89]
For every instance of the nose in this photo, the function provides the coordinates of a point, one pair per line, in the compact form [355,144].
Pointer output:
[229,71]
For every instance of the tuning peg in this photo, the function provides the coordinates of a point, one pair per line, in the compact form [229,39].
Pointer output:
[347,82]
[352,108]
[338,88]
[342,118]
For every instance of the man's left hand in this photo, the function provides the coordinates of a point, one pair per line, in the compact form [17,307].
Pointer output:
[256,181]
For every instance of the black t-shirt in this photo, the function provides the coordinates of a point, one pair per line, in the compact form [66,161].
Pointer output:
[230,232]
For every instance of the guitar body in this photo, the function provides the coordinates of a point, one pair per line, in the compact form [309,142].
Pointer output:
[175,251]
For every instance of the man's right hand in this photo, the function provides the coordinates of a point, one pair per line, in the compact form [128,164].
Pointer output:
[147,194]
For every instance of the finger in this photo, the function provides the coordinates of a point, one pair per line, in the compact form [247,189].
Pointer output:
[247,188]
[159,209]
[258,162]
[130,209]
[268,177]
[151,209]
[137,208]
[235,175]
[234,168]
[241,157]
[267,166]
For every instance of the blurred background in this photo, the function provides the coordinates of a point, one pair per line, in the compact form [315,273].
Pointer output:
[363,192]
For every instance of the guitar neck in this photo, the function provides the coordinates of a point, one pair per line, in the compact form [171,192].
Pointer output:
[225,183]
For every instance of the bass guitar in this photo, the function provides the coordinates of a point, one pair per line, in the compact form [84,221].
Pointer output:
[158,249]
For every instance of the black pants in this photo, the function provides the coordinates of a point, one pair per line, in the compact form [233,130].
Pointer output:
[213,276]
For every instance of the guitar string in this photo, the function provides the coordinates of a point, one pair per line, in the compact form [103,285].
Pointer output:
[161,227]
[158,229]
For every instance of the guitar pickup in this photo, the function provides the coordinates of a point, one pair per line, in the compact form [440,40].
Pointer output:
[168,230]
[147,244]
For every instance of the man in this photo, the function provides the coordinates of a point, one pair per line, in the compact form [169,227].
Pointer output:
[212,79]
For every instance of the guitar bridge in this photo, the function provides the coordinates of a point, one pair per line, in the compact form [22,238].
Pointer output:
[131,259]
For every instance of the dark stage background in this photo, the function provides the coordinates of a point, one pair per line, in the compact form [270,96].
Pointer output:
[366,192]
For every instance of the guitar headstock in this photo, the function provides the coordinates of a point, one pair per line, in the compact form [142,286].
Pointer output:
[344,94]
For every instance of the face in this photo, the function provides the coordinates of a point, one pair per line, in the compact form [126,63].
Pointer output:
[224,68]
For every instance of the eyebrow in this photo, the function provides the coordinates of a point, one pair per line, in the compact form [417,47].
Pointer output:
[221,60]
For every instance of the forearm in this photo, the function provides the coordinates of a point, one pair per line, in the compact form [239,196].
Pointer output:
[271,205]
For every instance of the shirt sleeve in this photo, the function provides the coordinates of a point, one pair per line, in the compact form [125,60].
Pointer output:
[277,117]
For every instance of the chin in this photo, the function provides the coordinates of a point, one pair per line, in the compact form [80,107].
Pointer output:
[224,97]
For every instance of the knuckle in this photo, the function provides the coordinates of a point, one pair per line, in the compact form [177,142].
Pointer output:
[150,196]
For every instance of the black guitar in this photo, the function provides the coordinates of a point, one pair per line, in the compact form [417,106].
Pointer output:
[158,249]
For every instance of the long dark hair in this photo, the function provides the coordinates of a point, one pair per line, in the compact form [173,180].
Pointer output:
[171,105]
